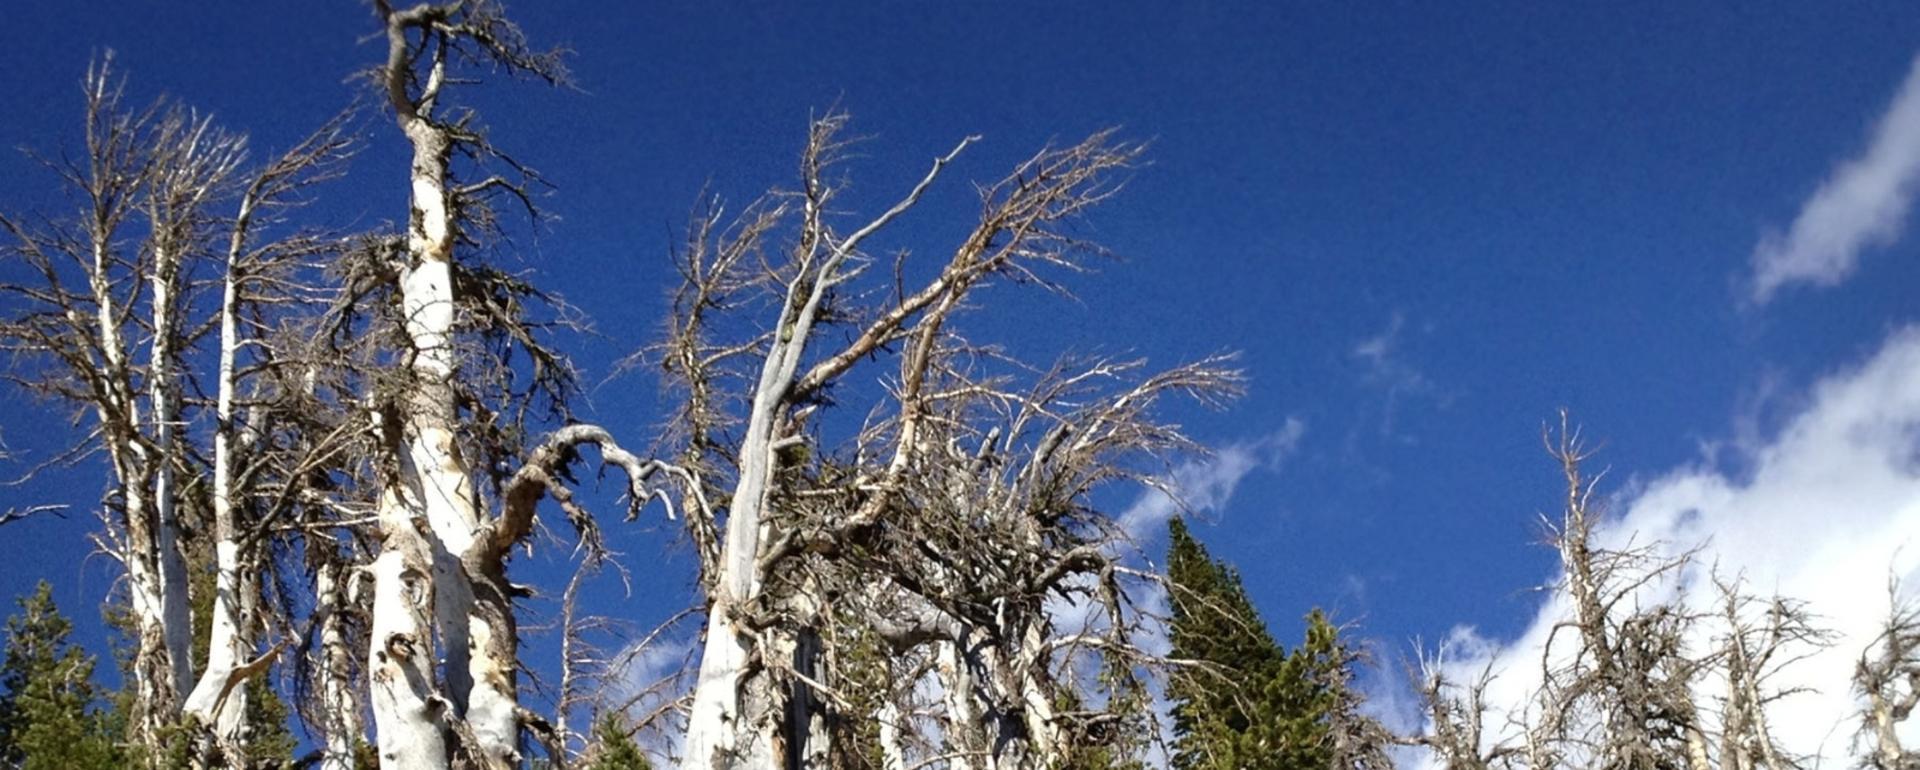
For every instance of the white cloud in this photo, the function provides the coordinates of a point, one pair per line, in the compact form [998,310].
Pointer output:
[1823,511]
[1207,484]
[1199,486]
[1862,204]
[1377,352]
[1377,348]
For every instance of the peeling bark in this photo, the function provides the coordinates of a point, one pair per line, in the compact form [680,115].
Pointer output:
[409,714]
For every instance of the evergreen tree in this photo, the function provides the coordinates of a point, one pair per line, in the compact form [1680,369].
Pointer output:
[47,720]
[1249,704]
[614,749]
[270,742]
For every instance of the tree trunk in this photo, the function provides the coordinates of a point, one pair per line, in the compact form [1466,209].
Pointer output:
[175,606]
[339,696]
[1042,739]
[157,695]
[156,684]
[217,699]
[810,741]
[472,605]
[729,723]
[493,706]
[428,515]
[893,756]
[1888,754]
[964,723]
[408,714]
[715,714]
[432,465]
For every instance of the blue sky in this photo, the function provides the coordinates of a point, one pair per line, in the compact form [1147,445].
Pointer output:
[1427,226]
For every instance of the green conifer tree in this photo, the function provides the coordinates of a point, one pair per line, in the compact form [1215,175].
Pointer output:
[270,743]
[613,749]
[47,715]
[1249,704]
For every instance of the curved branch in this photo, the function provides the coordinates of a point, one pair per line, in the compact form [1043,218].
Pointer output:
[539,478]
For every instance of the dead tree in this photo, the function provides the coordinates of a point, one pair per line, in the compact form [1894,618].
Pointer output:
[1456,730]
[440,585]
[103,325]
[429,513]
[1621,696]
[1617,679]
[1760,639]
[813,545]
[1632,678]
[258,479]
[113,323]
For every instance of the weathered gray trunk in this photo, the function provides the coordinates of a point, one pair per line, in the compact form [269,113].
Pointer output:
[155,676]
[217,699]
[471,603]
[733,718]
[810,744]
[408,713]
[964,726]
[428,514]
[339,695]
[175,606]
[893,755]
[737,716]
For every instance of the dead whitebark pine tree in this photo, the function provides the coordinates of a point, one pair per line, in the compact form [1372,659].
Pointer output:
[816,537]
[440,587]
[255,481]
[1632,679]
[155,183]
[1618,682]
[1760,639]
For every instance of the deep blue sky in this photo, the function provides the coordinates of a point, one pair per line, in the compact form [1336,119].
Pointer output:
[1528,205]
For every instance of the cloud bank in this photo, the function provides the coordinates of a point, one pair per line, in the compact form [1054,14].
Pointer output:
[1824,511]
[1863,204]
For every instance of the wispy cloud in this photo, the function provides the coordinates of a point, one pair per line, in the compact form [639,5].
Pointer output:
[1385,369]
[1823,511]
[1863,204]
[1378,349]
[1199,486]
[1207,484]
